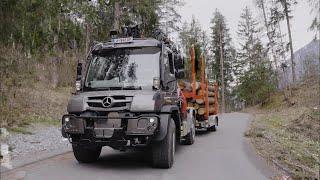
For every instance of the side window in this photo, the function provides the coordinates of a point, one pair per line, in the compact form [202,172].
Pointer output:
[171,63]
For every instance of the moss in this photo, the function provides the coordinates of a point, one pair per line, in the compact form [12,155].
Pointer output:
[36,119]
[20,130]
[22,127]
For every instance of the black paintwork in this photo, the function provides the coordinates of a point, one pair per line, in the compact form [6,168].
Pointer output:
[162,103]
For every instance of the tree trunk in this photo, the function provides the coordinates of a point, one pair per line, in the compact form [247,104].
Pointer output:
[87,37]
[199,101]
[290,41]
[116,25]
[190,104]
[222,74]
[211,100]
[211,94]
[211,88]
[201,111]
[196,106]
[270,39]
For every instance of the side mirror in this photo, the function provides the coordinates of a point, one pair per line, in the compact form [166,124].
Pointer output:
[79,71]
[79,76]
[178,62]
[180,74]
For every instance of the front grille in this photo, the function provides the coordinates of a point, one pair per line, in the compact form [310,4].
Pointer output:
[117,102]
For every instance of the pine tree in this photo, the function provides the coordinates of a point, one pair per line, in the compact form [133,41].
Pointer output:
[223,55]
[262,6]
[315,26]
[192,34]
[256,79]
[169,18]
[287,8]
[248,35]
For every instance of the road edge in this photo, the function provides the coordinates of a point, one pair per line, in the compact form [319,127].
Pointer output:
[28,161]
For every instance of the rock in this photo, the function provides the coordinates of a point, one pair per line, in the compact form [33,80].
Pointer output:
[3,132]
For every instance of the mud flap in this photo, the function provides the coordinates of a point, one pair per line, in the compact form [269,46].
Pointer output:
[187,123]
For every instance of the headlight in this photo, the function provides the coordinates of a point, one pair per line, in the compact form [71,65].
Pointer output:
[66,119]
[152,120]
[152,124]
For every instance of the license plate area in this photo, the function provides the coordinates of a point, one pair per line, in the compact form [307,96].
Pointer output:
[104,128]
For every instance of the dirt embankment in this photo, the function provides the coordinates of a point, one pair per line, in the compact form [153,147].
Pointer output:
[34,88]
[34,92]
[287,132]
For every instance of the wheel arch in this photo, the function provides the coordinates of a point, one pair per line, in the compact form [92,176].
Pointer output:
[167,113]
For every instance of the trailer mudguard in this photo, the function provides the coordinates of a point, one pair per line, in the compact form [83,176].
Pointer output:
[165,117]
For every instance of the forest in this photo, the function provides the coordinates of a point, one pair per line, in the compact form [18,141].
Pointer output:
[42,41]
[258,70]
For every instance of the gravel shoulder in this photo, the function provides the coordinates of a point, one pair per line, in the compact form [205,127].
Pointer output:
[43,142]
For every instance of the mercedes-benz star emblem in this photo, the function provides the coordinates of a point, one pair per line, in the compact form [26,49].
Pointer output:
[107,102]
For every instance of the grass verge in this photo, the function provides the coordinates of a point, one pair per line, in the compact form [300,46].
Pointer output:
[289,136]
[33,120]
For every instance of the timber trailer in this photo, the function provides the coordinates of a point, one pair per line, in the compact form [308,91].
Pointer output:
[202,96]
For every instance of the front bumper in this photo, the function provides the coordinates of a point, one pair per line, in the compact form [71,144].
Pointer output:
[112,127]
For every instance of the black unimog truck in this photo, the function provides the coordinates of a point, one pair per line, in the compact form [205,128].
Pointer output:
[128,98]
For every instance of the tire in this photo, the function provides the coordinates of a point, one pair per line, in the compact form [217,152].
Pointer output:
[163,151]
[86,154]
[212,128]
[191,136]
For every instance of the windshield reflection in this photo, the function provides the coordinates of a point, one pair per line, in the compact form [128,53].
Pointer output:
[123,68]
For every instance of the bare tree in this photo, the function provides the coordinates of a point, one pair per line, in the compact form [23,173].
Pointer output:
[116,24]
[261,4]
[287,10]
[223,103]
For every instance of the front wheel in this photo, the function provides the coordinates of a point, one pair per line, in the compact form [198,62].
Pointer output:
[163,151]
[86,154]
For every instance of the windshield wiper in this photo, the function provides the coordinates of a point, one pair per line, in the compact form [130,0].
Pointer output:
[115,88]
[105,88]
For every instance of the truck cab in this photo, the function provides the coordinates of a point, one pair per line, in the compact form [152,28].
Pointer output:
[127,97]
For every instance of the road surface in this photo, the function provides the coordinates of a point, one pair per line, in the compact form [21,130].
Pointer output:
[225,154]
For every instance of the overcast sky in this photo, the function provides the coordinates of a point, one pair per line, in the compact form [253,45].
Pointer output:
[231,9]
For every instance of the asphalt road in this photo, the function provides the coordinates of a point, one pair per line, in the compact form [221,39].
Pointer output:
[225,154]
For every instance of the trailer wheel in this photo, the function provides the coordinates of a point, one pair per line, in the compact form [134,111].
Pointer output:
[86,154]
[191,136]
[163,151]
[212,128]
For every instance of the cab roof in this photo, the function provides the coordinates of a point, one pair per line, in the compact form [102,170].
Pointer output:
[140,42]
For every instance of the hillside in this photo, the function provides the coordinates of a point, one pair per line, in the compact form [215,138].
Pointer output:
[288,135]
[34,90]
[307,62]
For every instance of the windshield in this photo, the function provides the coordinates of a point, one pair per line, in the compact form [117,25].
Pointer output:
[124,68]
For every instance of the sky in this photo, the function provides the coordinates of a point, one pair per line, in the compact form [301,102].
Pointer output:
[231,9]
